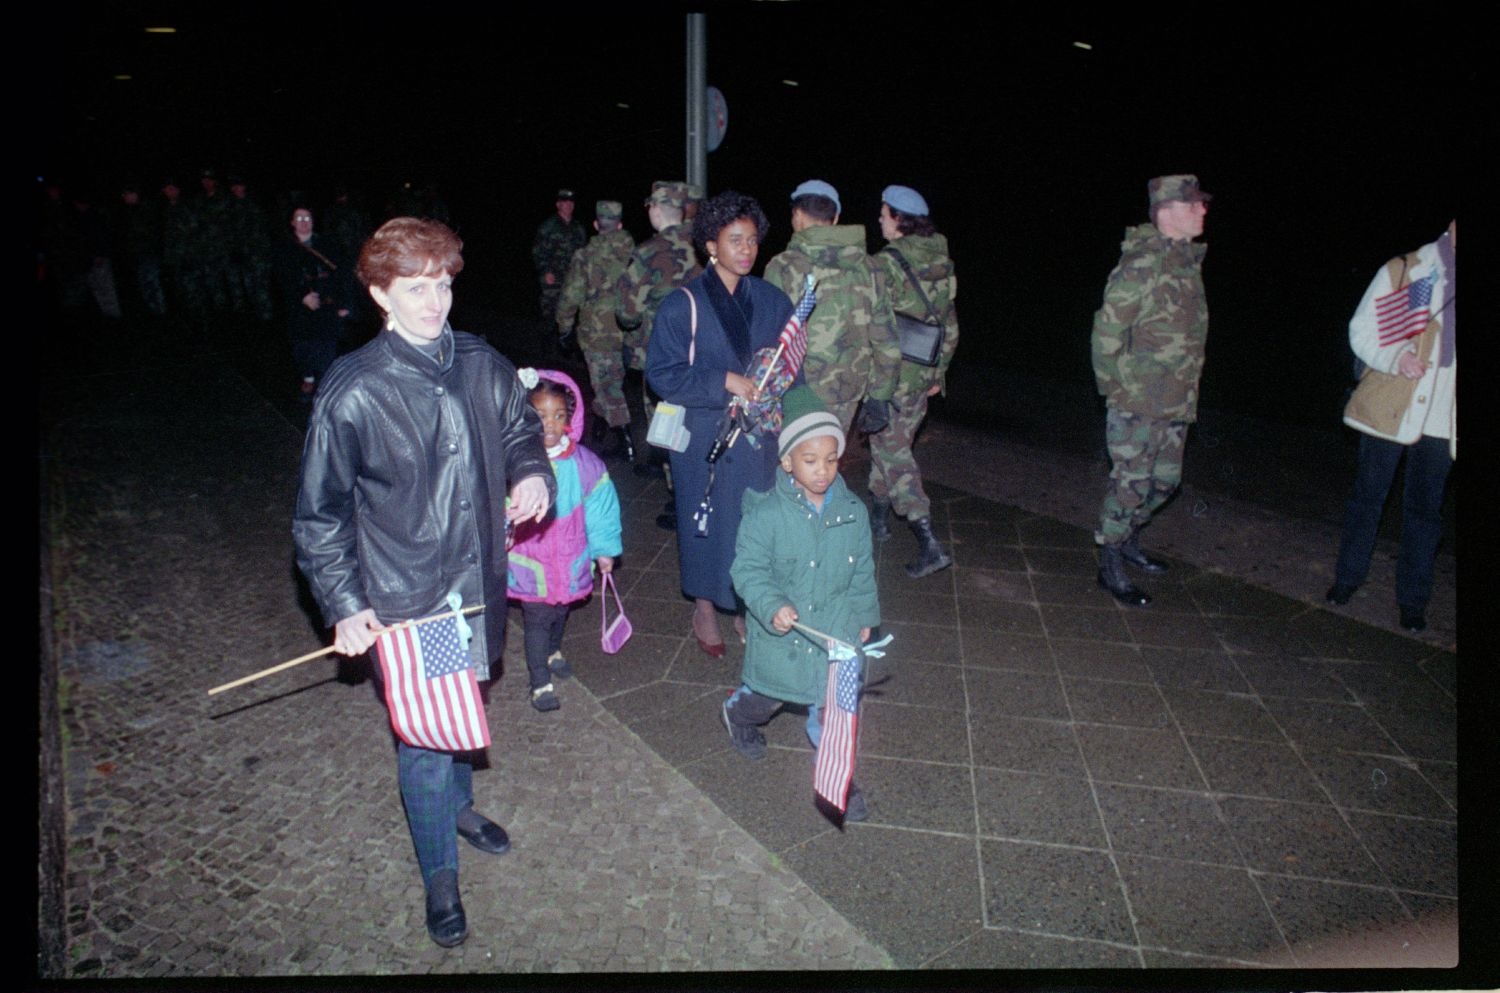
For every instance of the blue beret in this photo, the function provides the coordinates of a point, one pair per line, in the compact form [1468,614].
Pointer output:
[906,200]
[816,187]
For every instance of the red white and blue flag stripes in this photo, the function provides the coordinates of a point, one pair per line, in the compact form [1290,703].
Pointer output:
[1404,313]
[430,689]
[794,335]
[835,764]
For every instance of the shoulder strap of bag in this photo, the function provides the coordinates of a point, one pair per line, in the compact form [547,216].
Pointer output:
[693,310]
[912,277]
[320,256]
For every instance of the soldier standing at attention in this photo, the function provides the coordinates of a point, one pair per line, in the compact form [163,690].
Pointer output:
[1148,356]
[852,348]
[557,238]
[588,293]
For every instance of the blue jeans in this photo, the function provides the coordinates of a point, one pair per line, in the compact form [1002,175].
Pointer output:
[435,786]
[747,708]
[1427,467]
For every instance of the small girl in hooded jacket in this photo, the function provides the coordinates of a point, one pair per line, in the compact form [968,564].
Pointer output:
[552,561]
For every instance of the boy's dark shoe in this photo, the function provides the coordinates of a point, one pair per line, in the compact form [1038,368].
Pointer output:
[749,742]
[855,808]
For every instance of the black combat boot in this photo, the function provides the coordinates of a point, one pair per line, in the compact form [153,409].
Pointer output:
[1112,577]
[1131,552]
[930,554]
[880,518]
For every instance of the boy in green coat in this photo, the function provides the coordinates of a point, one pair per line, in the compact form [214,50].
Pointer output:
[803,553]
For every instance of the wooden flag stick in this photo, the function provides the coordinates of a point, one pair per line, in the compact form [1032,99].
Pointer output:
[819,634]
[325,651]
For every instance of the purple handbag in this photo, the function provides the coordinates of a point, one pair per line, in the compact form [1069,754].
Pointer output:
[612,633]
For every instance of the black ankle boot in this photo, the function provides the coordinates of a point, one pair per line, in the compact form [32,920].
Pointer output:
[880,518]
[1112,577]
[1131,552]
[930,554]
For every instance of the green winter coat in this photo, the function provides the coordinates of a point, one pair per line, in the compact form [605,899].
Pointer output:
[824,566]
[928,257]
[1149,335]
[852,348]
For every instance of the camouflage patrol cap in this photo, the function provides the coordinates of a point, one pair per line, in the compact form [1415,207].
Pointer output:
[669,193]
[608,210]
[692,192]
[1183,187]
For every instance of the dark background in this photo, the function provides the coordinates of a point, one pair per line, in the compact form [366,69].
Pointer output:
[1328,149]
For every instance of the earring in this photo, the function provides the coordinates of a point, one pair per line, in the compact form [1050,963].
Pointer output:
[390,322]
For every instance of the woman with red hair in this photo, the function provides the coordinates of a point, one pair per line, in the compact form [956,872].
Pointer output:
[413,442]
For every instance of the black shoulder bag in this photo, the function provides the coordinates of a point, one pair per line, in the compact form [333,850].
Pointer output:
[921,339]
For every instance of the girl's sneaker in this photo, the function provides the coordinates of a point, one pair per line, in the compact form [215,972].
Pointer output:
[559,666]
[543,699]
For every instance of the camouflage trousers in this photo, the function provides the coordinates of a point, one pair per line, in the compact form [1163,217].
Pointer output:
[547,300]
[894,475]
[607,373]
[1146,466]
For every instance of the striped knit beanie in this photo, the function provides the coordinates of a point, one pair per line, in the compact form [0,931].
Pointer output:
[803,416]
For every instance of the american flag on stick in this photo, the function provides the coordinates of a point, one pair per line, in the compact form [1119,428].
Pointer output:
[835,764]
[430,690]
[1404,313]
[793,337]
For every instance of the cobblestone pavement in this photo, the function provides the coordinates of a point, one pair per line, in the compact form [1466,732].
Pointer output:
[1234,777]
[259,832]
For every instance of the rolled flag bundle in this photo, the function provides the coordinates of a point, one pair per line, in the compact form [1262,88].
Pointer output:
[772,369]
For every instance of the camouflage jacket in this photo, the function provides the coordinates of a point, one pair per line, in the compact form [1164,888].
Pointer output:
[852,348]
[554,246]
[1149,334]
[928,257]
[589,291]
[662,263]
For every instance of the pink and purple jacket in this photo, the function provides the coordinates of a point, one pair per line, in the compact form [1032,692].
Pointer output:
[553,561]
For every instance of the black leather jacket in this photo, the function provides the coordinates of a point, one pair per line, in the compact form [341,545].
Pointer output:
[405,471]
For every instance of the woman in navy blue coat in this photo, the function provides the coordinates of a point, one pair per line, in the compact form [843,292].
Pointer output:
[736,315]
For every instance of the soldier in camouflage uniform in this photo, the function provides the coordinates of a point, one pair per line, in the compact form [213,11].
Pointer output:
[179,236]
[660,265]
[211,244]
[1148,355]
[557,238]
[852,348]
[589,294]
[249,252]
[895,479]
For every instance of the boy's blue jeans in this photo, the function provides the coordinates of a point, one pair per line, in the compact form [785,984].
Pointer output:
[747,708]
